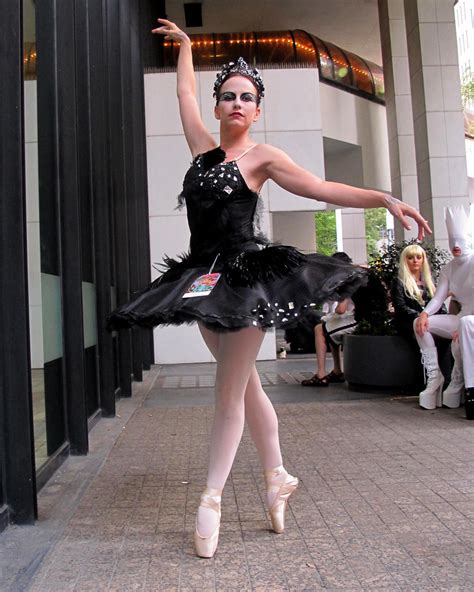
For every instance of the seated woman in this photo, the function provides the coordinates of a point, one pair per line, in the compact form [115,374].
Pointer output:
[339,321]
[412,289]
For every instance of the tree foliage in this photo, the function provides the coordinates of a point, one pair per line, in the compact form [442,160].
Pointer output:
[375,226]
[467,88]
[326,234]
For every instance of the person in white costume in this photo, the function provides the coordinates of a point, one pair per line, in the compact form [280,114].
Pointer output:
[456,280]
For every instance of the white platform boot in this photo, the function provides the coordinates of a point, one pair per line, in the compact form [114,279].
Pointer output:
[452,395]
[431,397]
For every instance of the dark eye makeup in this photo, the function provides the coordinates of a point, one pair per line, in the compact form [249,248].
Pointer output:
[246,97]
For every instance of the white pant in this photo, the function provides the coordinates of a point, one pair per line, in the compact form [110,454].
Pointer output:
[445,326]
[466,341]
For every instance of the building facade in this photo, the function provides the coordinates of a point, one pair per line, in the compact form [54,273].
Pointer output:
[74,230]
[78,124]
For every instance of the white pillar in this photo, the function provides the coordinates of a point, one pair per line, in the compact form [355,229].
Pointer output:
[437,110]
[353,234]
[399,107]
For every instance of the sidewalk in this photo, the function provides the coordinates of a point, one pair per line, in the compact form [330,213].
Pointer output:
[386,500]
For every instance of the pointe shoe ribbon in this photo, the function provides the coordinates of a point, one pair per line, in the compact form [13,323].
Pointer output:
[206,546]
[283,489]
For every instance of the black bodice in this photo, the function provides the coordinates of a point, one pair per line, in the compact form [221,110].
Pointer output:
[220,208]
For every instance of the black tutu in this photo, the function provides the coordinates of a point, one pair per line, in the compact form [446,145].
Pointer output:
[245,281]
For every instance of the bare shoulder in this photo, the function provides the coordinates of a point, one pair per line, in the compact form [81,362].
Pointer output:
[266,155]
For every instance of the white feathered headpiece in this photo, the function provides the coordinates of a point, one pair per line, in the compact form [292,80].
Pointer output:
[459,227]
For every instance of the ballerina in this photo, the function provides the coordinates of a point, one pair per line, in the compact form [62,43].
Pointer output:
[233,282]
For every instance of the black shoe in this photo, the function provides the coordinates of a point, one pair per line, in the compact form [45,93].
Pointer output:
[316,381]
[469,403]
[336,378]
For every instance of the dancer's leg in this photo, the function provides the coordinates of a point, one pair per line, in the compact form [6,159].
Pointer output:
[260,415]
[259,412]
[263,422]
[235,354]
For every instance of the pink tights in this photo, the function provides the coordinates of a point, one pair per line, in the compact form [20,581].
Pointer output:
[239,397]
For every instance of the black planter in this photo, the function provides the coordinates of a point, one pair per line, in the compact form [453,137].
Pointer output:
[381,361]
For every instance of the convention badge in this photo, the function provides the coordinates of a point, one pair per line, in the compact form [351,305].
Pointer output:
[202,286]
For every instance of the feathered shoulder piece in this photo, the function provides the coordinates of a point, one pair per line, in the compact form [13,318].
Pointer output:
[212,157]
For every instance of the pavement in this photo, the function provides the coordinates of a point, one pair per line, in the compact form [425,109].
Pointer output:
[386,500]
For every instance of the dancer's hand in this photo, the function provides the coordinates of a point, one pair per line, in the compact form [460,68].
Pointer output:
[455,336]
[170,31]
[421,324]
[401,211]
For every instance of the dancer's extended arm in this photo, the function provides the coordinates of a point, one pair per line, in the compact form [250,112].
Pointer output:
[197,136]
[280,168]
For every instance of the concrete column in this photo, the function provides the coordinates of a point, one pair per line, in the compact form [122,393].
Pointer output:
[399,107]
[437,110]
[353,234]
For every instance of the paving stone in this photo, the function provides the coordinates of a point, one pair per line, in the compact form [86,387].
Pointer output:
[386,497]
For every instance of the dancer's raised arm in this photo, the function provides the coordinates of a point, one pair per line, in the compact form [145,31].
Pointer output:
[197,136]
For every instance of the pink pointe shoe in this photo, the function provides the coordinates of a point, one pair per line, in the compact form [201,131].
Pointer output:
[283,485]
[206,546]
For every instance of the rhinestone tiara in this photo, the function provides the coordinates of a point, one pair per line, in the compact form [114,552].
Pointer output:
[239,67]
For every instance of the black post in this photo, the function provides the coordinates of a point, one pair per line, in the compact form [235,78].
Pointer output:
[128,29]
[71,265]
[16,429]
[139,42]
[118,186]
[58,81]
[101,200]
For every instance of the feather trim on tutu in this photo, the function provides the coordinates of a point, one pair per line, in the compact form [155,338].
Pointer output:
[250,267]
[171,269]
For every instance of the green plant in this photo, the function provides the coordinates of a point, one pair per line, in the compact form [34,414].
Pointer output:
[326,235]
[467,88]
[374,312]
[375,225]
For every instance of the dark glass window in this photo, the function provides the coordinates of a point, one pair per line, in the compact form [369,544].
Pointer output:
[272,47]
[326,68]
[170,54]
[230,46]
[275,47]
[203,50]
[377,73]
[342,70]
[304,47]
[361,76]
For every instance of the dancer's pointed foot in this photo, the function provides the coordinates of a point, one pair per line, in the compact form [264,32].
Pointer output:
[208,521]
[280,486]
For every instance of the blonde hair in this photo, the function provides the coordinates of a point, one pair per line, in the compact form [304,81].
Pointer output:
[406,277]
